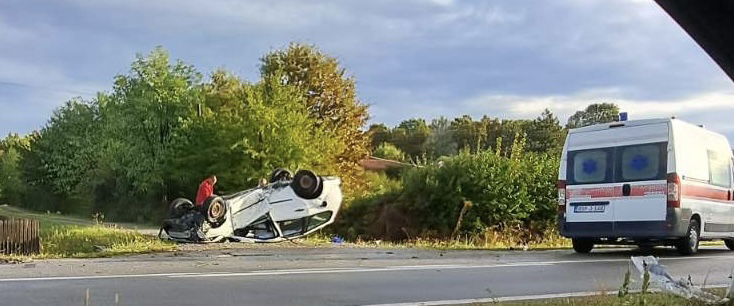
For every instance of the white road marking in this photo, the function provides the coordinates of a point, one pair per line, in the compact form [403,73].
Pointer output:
[343,270]
[356,270]
[58,278]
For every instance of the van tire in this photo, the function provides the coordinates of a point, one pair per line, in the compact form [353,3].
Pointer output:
[582,245]
[688,245]
[729,243]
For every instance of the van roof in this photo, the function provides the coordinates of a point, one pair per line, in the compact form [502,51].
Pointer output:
[604,126]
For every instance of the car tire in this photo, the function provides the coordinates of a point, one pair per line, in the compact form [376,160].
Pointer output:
[179,207]
[582,245]
[729,243]
[688,245]
[279,175]
[214,209]
[306,184]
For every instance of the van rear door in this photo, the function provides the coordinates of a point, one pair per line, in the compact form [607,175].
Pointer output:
[617,178]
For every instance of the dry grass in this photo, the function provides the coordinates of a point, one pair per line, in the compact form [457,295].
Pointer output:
[606,299]
[490,240]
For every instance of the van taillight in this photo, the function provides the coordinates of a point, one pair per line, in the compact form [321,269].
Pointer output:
[673,190]
[561,185]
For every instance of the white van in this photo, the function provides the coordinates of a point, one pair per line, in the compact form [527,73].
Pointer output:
[646,182]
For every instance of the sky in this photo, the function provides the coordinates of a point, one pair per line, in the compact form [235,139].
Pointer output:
[410,58]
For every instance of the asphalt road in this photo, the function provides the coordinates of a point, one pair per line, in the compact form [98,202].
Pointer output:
[335,276]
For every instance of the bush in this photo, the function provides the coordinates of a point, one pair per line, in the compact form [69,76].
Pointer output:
[389,151]
[500,191]
[371,213]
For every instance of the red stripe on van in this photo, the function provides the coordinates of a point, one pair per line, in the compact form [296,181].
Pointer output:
[704,192]
[616,191]
[598,192]
[643,190]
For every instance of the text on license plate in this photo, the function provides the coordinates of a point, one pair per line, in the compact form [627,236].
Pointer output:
[589,208]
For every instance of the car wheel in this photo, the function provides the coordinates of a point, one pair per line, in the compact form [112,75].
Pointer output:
[179,207]
[214,210]
[729,243]
[582,245]
[689,244]
[306,184]
[279,175]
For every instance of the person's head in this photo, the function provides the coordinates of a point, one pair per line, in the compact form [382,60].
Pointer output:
[212,179]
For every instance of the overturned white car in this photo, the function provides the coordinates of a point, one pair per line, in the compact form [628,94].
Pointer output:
[287,207]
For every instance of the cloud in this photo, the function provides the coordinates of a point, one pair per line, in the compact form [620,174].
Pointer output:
[410,58]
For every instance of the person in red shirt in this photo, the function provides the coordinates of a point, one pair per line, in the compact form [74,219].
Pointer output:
[206,189]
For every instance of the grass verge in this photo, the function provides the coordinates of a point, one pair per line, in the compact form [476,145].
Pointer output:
[599,300]
[71,237]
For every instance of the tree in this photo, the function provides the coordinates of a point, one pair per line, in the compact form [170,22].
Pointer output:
[247,130]
[379,134]
[11,183]
[144,115]
[410,136]
[545,134]
[441,139]
[594,114]
[467,133]
[330,98]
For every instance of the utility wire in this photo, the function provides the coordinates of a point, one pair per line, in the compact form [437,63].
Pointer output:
[6,83]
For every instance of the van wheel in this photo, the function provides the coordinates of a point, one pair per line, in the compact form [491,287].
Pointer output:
[688,245]
[729,243]
[581,245]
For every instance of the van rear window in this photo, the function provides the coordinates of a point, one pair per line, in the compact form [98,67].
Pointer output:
[618,164]
[591,166]
[640,162]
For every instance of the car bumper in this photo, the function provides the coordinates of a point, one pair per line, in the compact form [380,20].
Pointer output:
[674,226]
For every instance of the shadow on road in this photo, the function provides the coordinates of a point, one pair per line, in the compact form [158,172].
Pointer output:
[663,252]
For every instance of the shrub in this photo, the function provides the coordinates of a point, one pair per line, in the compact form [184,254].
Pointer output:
[501,191]
[389,151]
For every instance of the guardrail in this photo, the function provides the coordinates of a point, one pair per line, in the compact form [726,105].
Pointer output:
[19,237]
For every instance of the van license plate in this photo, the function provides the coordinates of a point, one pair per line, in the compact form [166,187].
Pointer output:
[589,208]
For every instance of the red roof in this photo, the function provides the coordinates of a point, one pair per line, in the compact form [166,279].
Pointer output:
[380,164]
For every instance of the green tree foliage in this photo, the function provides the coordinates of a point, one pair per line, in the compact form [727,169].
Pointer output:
[468,133]
[411,136]
[144,114]
[379,134]
[330,97]
[545,134]
[441,139]
[11,183]
[389,151]
[594,114]
[247,130]
[159,131]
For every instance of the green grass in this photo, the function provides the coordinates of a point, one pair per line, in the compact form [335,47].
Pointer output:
[66,236]
[489,240]
[97,241]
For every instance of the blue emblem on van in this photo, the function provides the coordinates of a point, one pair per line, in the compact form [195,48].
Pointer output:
[589,166]
[638,162]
